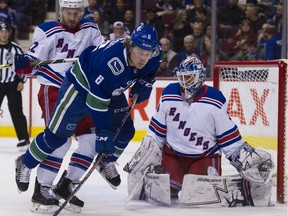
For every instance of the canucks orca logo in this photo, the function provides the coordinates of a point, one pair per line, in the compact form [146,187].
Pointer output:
[71,126]
[116,66]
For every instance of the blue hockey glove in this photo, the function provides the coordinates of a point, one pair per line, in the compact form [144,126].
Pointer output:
[104,142]
[143,88]
[21,64]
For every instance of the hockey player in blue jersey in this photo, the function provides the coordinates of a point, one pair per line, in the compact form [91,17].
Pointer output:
[100,74]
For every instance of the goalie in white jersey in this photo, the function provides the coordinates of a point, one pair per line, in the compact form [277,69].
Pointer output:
[187,134]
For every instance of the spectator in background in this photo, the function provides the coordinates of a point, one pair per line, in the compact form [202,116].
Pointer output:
[206,52]
[250,51]
[103,25]
[257,19]
[117,12]
[129,21]
[261,42]
[21,9]
[168,5]
[178,29]
[91,8]
[198,35]
[189,49]
[169,60]
[191,10]
[273,44]
[230,15]
[11,86]
[277,19]
[118,31]
[7,15]
[244,33]
[202,16]
[154,20]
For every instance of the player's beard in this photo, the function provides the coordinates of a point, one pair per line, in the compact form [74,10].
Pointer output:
[70,24]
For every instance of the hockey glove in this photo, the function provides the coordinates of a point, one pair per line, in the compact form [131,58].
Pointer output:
[104,142]
[143,88]
[254,165]
[21,64]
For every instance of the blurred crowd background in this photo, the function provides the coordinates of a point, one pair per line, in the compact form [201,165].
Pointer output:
[247,30]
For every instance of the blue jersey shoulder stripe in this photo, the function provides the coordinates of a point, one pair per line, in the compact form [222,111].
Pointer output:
[158,128]
[210,101]
[171,98]
[232,141]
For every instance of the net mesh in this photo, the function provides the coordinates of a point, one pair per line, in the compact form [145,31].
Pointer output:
[252,93]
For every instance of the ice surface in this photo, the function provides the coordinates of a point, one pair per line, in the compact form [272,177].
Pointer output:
[100,199]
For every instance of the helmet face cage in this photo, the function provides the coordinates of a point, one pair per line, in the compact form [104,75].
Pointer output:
[145,37]
[191,74]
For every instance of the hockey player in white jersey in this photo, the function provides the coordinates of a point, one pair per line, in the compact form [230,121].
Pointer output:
[187,135]
[100,76]
[65,38]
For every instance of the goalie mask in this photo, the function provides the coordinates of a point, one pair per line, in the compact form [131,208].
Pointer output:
[191,76]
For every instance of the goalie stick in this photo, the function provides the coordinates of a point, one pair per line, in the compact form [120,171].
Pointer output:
[98,159]
[39,63]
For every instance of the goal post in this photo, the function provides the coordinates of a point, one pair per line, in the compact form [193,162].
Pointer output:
[256,94]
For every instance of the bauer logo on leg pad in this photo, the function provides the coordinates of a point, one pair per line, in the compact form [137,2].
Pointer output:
[222,191]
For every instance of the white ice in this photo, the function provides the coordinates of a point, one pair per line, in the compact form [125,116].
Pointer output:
[100,199]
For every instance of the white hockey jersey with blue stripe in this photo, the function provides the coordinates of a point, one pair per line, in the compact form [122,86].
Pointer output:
[51,41]
[199,129]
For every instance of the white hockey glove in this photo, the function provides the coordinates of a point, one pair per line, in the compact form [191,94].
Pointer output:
[254,165]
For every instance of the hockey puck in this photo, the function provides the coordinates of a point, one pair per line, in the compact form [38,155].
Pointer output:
[158,169]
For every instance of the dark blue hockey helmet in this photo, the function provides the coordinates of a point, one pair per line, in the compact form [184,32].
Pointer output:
[145,37]
[5,26]
[191,75]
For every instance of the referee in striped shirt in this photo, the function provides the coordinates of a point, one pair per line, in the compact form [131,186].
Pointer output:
[12,84]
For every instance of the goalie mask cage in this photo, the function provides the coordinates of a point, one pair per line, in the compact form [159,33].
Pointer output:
[256,94]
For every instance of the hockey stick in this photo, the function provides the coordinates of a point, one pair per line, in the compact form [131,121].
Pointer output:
[97,160]
[137,186]
[39,63]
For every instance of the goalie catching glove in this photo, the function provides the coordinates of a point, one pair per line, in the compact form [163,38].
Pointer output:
[254,165]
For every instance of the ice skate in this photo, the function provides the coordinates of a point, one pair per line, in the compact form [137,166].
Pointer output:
[23,145]
[22,174]
[44,199]
[109,173]
[63,190]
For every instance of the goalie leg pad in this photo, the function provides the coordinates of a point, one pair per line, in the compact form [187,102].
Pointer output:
[148,153]
[254,165]
[223,191]
[157,189]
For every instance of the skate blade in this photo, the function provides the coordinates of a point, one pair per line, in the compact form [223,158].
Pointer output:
[70,207]
[23,148]
[104,177]
[43,209]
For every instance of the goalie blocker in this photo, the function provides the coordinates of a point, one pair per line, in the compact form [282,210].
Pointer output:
[252,187]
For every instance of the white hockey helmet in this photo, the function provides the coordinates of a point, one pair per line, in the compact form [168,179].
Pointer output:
[71,3]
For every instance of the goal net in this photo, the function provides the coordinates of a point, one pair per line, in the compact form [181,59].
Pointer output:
[256,93]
